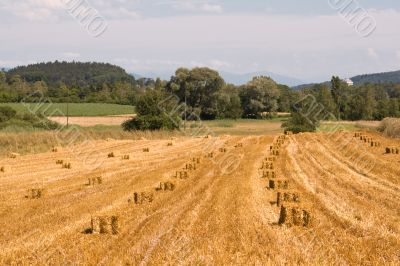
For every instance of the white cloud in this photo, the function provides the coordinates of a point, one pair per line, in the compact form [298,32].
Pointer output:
[211,8]
[194,6]
[398,54]
[218,64]
[372,53]
[71,55]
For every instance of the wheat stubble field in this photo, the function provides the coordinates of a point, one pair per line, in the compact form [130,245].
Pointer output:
[205,201]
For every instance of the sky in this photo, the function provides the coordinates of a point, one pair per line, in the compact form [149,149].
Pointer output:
[310,40]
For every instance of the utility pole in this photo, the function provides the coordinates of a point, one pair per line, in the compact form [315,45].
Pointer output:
[68,109]
[185,111]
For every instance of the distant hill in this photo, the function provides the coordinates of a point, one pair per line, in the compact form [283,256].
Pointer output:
[377,78]
[72,73]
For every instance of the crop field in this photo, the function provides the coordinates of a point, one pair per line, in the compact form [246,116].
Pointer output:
[74,109]
[320,199]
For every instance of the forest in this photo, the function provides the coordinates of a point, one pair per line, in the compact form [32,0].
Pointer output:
[204,91]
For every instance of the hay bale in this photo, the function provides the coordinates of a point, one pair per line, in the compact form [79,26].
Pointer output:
[210,155]
[196,160]
[13,155]
[223,150]
[104,225]
[169,144]
[190,167]
[294,216]
[54,149]
[35,193]
[278,184]
[287,197]
[289,133]
[267,165]
[268,174]
[143,197]
[115,225]
[165,186]
[275,152]
[392,150]
[67,166]
[95,181]
[181,175]
[239,145]
[59,161]
[5,169]
[111,155]
[146,150]
[270,159]
[125,157]
[95,225]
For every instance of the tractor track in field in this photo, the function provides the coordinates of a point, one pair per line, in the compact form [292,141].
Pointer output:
[222,214]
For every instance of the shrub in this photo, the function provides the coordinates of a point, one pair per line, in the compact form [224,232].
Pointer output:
[6,113]
[298,123]
[390,127]
[154,112]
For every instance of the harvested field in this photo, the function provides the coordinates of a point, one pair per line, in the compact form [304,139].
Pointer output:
[92,121]
[339,205]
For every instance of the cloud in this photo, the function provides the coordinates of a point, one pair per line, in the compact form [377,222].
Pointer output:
[71,55]
[211,8]
[372,53]
[193,6]
[219,64]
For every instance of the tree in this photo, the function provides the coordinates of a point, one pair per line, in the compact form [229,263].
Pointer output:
[228,103]
[369,104]
[155,111]
[258,96]
[298,123]
[198,88]
[325,98]
[336,84]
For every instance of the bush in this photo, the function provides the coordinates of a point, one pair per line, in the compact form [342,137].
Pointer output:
[298,123]
[390,127]
[10,120]
[149,122]
[6,113]
[154,112]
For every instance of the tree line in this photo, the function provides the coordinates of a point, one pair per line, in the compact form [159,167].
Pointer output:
[205,93]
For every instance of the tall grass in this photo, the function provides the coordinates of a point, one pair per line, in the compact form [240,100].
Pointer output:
[42,141]
[390,127]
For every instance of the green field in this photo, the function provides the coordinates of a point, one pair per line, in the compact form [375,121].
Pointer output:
[75,109]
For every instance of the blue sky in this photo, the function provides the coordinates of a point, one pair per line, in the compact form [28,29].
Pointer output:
[309,40]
